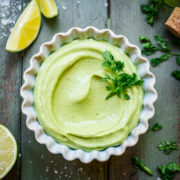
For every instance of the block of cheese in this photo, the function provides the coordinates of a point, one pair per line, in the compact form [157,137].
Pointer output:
[173,22]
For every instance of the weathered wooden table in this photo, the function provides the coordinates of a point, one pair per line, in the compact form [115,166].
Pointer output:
[34,161]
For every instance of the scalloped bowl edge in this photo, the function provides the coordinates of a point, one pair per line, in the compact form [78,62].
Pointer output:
[29,80]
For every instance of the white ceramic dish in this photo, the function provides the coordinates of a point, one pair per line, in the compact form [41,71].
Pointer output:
[29,81]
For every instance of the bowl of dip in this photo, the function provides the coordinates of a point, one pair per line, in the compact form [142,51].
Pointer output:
[65,101]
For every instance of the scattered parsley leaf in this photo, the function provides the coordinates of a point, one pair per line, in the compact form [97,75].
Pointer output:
[139,164]
[167,172]
[176,74]
[178,60]
[156,61]
[146,8]
[111,63]
[144,39]
[161,42]
[167,147]
[151,10]
[119,82]
[149,48]
[126,96]
[156,127]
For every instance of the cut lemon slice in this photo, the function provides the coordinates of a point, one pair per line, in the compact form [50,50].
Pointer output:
[26,29]
[8,151]
[48,8]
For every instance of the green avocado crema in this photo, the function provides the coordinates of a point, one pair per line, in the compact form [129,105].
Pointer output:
[69,98]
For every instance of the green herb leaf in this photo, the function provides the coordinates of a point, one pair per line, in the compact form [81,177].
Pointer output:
[149,48]
[146,8]
[111,63]
[119,82]
[167,172]
[156,127]
[173,167]
[176,74]
[108,56]
[126,96]
[144,39]
[139,164]
[156,61]
[167,147]
[151,10]
[161,42]
[178,60]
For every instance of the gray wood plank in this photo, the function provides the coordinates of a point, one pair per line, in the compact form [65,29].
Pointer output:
[37,162]
[127,19]
[10,76]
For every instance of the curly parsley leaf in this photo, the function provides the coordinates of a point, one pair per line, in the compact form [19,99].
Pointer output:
[149,48]
[119,81]
[156,127]
[178,60]
[167,172]
[139,164]
[146,8]
[144,39]
[161,42]
[176,74]
[156,61]
[115,66]
[167,147]
[151,10]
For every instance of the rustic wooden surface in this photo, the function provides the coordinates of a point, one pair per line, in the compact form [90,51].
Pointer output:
[34,161]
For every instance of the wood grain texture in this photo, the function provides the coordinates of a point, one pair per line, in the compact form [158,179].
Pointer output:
[37,162]
[127,19]
[10,76]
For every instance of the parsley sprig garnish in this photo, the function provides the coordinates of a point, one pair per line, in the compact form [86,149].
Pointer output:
[156,127]
[118,81]
[152,9]
[139,164]
[161,45]
[167,147]
[149,48]
[167,172]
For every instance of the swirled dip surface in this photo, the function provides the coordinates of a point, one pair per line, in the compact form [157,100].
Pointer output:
[69,98]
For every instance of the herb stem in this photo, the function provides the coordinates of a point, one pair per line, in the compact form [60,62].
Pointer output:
[174,54]
[139,164]
[161,45]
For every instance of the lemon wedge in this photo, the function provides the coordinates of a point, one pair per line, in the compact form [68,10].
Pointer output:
[26,29]
[48,8]
[8,151]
